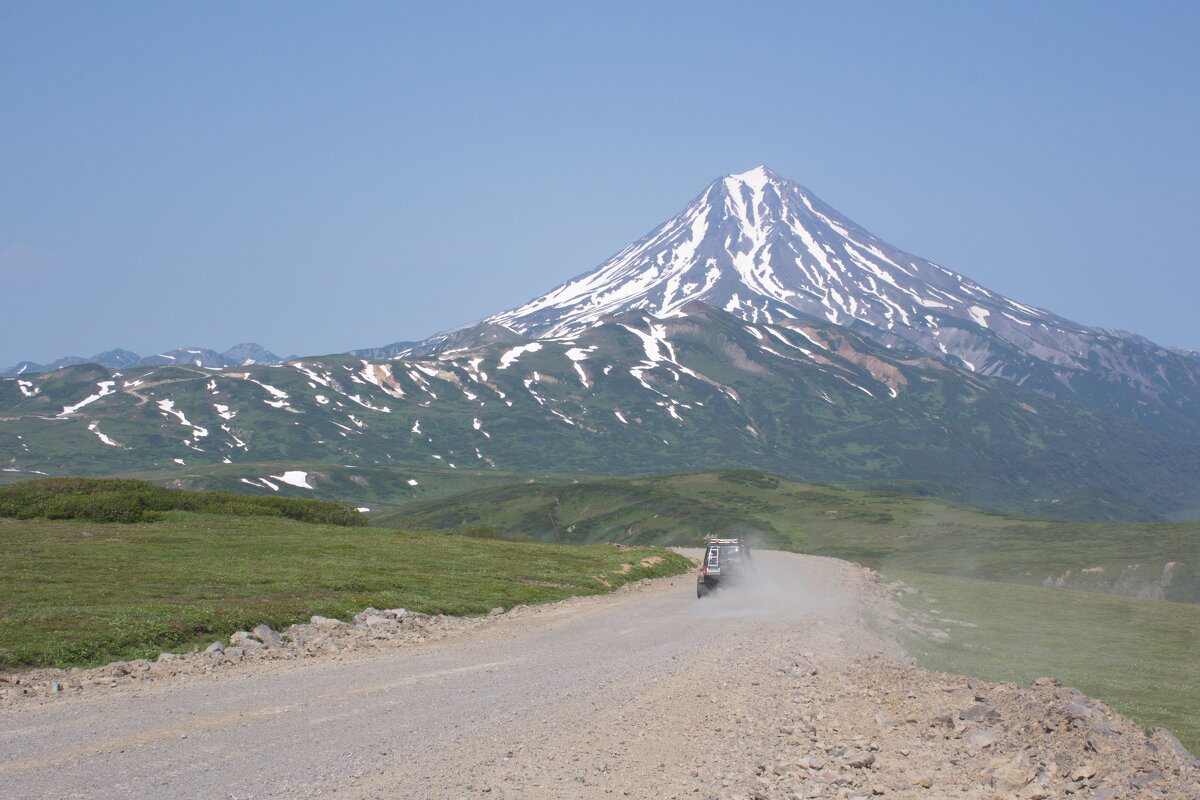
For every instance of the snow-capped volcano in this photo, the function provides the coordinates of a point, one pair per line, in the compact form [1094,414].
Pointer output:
[757,328]
[764,248]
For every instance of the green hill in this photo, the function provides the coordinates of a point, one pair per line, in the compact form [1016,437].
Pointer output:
[882,529]
[635,395]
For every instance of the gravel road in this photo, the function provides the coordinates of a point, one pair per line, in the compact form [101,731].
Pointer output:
[792,687]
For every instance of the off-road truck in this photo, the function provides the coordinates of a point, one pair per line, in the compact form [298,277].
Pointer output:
[725,561]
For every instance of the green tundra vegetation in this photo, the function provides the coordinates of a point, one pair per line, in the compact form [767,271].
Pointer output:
[882,529]
[116,500]
[79,592]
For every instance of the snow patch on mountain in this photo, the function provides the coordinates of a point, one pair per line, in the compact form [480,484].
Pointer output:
[296,478]
[106,388]
[510,357]
[94,427]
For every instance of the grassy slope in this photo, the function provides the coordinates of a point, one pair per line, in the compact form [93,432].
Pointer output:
[876,528]
[1139,655]
[825,415]
[382,489]
[129,591]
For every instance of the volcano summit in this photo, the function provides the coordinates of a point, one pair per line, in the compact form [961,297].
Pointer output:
[765,248]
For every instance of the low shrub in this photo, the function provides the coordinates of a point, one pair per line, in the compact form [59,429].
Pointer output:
[488,532]
[123,500]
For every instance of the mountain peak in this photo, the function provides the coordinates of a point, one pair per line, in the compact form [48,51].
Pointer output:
[766,249]
[758,177]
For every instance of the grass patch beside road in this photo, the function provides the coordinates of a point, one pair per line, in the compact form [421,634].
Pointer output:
[81,594]
[1139,656]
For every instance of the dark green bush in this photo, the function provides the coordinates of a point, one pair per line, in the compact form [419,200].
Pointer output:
[119,500]
[488,532]
[749,477]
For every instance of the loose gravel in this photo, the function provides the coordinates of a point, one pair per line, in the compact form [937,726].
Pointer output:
[793,687]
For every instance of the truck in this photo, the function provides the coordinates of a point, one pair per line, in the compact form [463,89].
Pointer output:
[726,562]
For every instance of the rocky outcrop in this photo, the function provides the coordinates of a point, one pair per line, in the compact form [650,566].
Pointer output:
[1149,581]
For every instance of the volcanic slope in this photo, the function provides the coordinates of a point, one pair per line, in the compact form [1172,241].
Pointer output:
[634,394]
[768,250]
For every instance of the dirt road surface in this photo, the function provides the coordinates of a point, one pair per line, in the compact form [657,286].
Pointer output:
[794,687]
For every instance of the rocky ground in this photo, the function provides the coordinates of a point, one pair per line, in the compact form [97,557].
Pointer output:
[371,629]
[795,687]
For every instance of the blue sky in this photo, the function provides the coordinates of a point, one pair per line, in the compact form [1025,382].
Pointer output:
[318,177]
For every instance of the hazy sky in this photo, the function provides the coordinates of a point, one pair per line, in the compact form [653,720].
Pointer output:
[318,177]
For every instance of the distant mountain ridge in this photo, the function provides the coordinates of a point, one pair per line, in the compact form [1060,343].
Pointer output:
[635,394]
[239,355]
[758,328]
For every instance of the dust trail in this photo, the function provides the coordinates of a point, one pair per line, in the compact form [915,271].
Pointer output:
[777,588]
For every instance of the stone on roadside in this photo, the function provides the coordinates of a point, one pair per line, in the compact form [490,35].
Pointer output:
[268,635]
[1163,739]
[982,739]
[1013,775]
[1079,710]
[244,640]
[858,759]
[361,617]
[979,712]
[1083,771]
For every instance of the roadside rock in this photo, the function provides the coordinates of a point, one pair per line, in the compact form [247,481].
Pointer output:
[858,759]
[979,713]
[268,635]
[982,739]
[1165,741]
[245,640]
